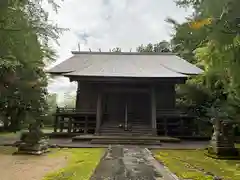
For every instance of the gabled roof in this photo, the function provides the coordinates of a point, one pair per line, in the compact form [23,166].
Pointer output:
[124,64]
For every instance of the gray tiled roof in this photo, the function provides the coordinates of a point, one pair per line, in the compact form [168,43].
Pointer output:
[125,65]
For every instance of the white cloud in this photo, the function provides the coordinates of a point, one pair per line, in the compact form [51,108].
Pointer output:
[110,23]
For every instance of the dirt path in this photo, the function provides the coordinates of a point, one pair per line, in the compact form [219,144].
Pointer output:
[129,163]
[29,167]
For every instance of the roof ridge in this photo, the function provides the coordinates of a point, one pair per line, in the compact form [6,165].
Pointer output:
[123,53]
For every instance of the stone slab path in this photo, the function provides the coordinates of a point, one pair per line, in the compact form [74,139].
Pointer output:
[130,163]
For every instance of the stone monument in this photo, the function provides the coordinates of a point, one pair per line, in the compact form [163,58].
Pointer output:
[34,141]
[222,142]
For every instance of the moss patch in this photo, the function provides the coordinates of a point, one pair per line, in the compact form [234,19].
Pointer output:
[193,164]
[237,146]
[81,165]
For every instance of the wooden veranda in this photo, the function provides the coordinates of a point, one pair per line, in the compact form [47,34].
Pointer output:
[169,123]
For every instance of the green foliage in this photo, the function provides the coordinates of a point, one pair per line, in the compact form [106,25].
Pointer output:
[51,101]
[162,46]
[215,48]
[117,49]
[185,40]
[69,100]
[24,48]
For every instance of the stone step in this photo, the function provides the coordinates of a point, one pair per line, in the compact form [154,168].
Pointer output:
[125,141]
[125,133]
[121,137]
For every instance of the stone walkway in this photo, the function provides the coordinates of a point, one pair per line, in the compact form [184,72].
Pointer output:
[125,162]
[130,163]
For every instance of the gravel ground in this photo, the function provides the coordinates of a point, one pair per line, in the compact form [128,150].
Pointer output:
[16,167]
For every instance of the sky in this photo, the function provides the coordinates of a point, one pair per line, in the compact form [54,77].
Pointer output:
[105,24]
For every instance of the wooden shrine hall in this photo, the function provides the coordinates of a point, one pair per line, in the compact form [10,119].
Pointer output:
[124,93]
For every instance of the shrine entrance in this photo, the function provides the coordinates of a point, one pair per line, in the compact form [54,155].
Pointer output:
[126,108]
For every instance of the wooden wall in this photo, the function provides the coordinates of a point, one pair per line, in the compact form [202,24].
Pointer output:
[87,96]
[165,96]
[88,92]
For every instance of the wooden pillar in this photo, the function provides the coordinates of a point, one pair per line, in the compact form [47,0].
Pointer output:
[174,98]
[153,111]
[56,123]
[99,112]
[165,126]
[126,117]
[77,95]
[70,125]
[56,120]
[86,125]
[181,127]
[62,124]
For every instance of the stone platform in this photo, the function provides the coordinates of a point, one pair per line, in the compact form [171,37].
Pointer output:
[133,140]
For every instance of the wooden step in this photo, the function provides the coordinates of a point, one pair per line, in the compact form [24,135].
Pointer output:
[122,130]
[126,134]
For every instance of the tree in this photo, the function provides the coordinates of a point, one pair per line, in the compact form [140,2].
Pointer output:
[185,40]
[213,43]
[203,40]
[51,109]
[69,100]
[24,49]
[162,46]
[117,49]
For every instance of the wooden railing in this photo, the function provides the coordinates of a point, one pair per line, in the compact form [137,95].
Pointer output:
[170,113]
[74,111]
[72,120]
[173,121]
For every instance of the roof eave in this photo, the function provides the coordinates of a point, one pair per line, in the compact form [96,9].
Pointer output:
[134,77]
[58,72]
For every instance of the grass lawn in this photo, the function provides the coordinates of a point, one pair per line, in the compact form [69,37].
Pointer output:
[81,164]
[10,134]
[193,164]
